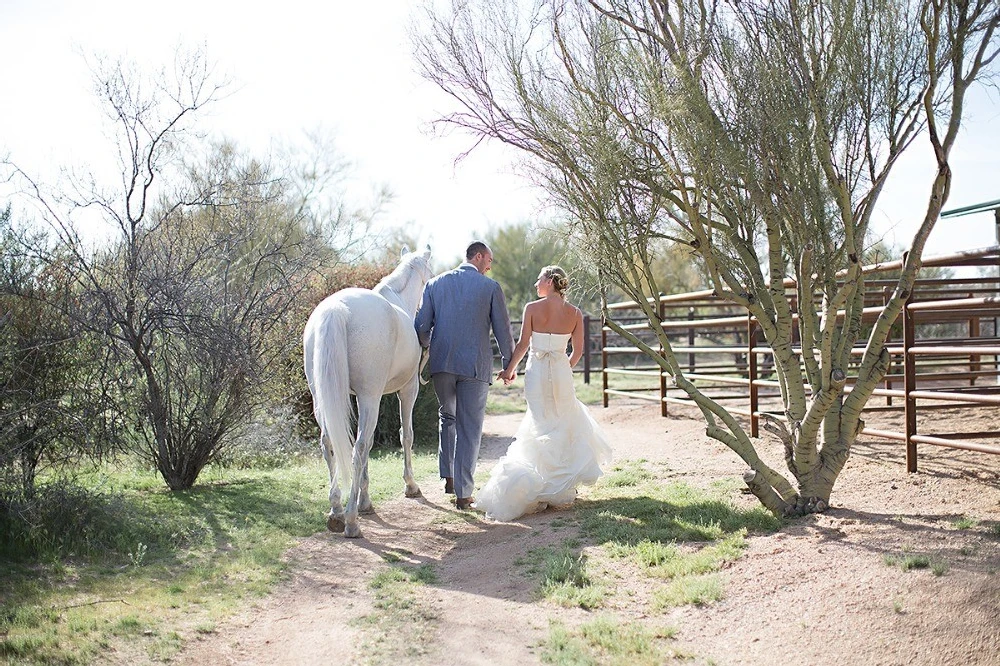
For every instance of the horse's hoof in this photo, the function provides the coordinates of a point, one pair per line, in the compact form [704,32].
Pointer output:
[335,524]
[366,509]
[413,492]
[352,531]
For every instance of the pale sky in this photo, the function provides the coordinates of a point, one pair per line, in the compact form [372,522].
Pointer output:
[347,67]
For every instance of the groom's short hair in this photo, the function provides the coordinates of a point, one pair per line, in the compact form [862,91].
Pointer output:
[475,248]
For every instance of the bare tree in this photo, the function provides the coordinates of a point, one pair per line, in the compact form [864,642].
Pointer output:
[759,135]
[205,256]
[47,414]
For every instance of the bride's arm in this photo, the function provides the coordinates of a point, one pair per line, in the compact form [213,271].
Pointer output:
[521,348]
[577,339]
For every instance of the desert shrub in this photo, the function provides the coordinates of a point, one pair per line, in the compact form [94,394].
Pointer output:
[425,420]
[62,519]
[272,439]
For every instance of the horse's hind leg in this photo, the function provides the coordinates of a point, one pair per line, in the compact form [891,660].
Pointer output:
[334,519]
[407,399]
[358,497]
[364,499]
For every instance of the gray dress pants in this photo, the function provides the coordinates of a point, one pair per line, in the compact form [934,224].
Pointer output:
[460,429]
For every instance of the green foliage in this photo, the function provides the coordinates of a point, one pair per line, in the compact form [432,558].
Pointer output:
[268,441]
[218,280]
[691,590]
[47,386]
[520,252]
[668,513]
[606,640]
[965,523]
[564,577]
[402,619]
[120,537]
[61,519]
[425,419]
[908,561]
[671,532]
[628,474]
[676,268]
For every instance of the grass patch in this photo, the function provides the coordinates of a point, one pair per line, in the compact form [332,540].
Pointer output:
[563,576]
[385,472]
[670,531]
[120,562]
[666,513]
[689,590]
[939,567]
[669,560]
[401,627]
[628,474]
[909,561]
[608,641]
[965,523]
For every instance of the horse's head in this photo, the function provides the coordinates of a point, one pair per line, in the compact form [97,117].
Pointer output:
[408,280]
[419,262]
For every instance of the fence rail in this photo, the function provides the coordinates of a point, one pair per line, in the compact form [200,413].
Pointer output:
[944,355]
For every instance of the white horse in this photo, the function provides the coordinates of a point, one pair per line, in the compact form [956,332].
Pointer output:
[363,342]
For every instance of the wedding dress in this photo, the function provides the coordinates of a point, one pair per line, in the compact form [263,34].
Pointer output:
[558,445]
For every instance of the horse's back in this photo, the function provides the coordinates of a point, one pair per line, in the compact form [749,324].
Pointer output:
[382,347]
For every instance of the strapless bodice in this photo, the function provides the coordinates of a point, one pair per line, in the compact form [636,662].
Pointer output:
[545,342]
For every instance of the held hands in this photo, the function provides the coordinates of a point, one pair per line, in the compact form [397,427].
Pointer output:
[507,375]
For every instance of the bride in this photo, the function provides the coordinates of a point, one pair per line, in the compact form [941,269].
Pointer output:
[558,445]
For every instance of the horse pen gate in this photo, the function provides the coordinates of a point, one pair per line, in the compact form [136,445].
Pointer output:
[944,353]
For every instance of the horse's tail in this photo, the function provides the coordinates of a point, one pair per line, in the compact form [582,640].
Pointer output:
[325,350]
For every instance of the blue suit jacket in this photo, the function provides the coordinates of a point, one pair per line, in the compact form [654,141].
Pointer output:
[457,311]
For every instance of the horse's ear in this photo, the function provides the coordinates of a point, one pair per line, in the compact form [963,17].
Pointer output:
[405,250]
[427,252]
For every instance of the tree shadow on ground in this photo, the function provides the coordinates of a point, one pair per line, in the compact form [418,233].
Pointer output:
[629,520]
[975,549]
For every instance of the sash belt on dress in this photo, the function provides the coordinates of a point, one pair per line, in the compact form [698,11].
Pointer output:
[550,406]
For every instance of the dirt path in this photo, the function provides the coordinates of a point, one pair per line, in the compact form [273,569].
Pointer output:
[817,592]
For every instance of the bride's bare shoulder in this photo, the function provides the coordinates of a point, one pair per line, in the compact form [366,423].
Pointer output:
[534,305]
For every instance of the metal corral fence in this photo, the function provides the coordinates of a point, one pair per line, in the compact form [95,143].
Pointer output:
[944,352]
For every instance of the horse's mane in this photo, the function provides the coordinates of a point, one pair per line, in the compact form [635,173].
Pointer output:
[397,279]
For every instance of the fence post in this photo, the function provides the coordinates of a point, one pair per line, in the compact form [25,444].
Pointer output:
[887,382]
[752,376]
[974,359]
[604,362]
[909,385]
[586,349]
[691,355]
[663,377]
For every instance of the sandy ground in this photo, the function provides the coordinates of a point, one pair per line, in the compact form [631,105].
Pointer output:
[819,591]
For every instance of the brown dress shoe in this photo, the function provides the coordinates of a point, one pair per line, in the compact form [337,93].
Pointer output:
[464,503]
[449,485]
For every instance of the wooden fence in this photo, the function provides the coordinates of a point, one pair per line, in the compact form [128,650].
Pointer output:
[944,353]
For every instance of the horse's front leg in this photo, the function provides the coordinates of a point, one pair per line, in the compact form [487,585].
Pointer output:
[367,418]
[407,399]
[334,519]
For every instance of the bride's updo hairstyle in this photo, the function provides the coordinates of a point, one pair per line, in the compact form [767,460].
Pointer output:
[559,280]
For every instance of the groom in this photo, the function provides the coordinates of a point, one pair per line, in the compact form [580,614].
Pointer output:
[456,313]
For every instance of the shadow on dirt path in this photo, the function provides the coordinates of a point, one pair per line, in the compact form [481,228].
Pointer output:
[818,591]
